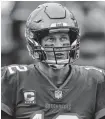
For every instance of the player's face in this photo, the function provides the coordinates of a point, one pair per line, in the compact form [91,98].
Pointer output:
[56,40]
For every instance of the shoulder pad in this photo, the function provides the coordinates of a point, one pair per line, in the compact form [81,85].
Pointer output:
[96,72]
[94,68]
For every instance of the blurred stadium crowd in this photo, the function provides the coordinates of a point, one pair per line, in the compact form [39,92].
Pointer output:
[89,14]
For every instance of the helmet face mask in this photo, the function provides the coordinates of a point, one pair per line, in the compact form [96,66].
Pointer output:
[41,23]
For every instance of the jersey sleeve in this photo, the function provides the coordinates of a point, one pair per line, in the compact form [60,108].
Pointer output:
[8,91]
[100,101]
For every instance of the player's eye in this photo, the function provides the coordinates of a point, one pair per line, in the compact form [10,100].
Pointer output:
[64,38]
[51,39]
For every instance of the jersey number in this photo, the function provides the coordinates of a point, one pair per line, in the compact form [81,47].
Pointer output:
[38,115]
[63,116]
[67,116]
[13,68]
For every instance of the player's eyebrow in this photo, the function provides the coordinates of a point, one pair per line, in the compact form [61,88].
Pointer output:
[47,37]
[51,36]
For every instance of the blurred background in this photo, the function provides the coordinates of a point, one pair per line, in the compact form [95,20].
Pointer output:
[89,14]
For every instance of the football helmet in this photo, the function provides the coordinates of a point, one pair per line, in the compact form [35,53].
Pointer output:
[48,18]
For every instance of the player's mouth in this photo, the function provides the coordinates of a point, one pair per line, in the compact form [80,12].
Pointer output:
[59,55]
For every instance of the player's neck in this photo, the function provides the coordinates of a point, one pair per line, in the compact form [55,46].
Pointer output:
[55,74]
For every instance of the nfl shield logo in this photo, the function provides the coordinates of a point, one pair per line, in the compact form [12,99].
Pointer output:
[58,94]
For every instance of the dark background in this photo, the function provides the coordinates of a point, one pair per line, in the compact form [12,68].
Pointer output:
[89,14]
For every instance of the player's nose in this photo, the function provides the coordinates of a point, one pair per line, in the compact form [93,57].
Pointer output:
[58,43]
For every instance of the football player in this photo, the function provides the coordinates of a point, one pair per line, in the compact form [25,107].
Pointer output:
[52,88]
